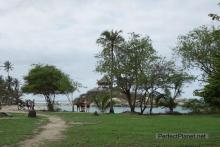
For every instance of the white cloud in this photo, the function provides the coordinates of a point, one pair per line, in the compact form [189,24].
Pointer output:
[63,33]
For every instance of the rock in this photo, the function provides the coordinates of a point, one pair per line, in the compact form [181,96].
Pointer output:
[32,113]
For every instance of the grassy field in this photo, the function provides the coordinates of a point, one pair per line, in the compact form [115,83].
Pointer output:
[125,130]
[17,128]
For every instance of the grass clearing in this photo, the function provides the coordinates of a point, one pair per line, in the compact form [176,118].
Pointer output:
[124,130]
[17,128]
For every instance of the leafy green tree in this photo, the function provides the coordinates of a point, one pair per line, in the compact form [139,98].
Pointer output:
[173,89]
[3,90]
[198,47]
[9,87]
[48,81]
[196,105]
[135,54]
[154,78]
[110,42]
[211,91]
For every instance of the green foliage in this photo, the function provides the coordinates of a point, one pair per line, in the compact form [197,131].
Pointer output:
[215,16]
[198,47]
[102,100]
[9,87]
[153,78]
[8,66]
[130,58]
[47,80]
[137,70]
[211,91]
[166,100]
[196,105]
[175,80]
[110,42]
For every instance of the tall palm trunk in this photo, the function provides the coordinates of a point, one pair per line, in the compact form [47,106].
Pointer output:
[111,86]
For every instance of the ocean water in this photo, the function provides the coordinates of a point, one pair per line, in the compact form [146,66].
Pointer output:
[117,109]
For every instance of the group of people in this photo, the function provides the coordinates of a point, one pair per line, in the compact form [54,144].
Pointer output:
[28,103]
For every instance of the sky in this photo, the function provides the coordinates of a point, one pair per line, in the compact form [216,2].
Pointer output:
[64,32]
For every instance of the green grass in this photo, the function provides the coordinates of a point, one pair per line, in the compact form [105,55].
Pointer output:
[17,128]
[132,130]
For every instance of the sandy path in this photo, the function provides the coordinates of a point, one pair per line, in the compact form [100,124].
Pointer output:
[50,132]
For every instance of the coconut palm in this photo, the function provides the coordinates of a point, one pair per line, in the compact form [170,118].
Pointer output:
[110,41]
[8,66]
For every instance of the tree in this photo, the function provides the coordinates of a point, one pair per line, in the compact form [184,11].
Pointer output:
[198,47]
[131,59]
[154,77]
[17,93]
[102,101]
[173,89]
[167,100]
[215,16]
[211,91]
[8,67]
[3,90]
[196,105]
[48,81]
[110,41]
[70,89]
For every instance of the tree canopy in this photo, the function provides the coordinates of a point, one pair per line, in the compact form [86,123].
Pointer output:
[198,47]
[47,80]
[211,91]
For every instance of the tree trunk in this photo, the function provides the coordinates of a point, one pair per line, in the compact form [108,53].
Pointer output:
[142,111]
[151,105]
[128,96]
[50,104]
[73,108]
[111,103]
[132,108]
[111,86]
[171,109]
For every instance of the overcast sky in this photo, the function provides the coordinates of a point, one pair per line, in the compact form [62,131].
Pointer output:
[64,32]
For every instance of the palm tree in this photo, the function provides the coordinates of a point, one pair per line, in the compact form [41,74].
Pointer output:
[101,101]
[8,66]
[166,100]
[110,41]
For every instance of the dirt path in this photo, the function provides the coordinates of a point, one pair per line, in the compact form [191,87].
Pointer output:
[50,132]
